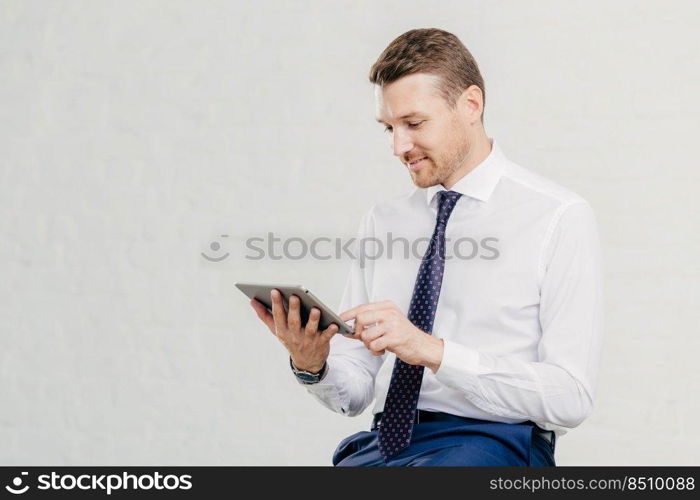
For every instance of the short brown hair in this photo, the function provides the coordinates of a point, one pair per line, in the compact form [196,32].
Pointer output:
[432,51]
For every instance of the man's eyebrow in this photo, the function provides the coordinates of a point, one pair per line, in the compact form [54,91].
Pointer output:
[407,115]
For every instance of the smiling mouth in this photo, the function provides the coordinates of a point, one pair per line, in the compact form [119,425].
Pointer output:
[416,164]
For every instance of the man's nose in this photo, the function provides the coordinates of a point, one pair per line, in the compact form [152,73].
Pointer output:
[402,143]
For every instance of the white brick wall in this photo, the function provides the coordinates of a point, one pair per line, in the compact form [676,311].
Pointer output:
[133,134]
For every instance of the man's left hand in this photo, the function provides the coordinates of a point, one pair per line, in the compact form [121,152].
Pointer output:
[382,326]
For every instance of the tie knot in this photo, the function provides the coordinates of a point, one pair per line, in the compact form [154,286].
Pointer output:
[446,203]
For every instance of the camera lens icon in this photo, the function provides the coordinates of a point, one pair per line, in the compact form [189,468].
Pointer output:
[17,482]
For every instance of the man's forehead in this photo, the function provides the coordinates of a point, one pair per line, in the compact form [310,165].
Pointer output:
[407,97]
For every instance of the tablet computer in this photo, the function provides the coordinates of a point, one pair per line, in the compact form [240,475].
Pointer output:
[261,292]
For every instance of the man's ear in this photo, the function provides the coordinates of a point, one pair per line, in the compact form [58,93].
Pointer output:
[471,103]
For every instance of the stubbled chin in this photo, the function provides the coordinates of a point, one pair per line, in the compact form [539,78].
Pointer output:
[422,182]
[425,177]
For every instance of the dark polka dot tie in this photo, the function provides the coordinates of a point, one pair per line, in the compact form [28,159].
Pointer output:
[402,398]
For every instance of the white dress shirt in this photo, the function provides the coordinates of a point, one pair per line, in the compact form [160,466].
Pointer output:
[521,319]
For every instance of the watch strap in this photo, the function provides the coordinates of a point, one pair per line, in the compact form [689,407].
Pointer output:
[306,377]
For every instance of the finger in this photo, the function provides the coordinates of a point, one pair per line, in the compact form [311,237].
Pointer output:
[328,333]
[263,314]
[294,318]
[373,333]
[368,318]
[312,324]
[370,306]
[378,346]
[355,333]
[278,313]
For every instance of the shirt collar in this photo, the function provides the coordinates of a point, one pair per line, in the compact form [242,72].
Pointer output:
[481,181]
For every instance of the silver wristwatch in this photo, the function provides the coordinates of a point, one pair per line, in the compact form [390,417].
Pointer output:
[308,378]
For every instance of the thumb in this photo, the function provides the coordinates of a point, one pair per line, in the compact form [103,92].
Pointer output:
[263,314]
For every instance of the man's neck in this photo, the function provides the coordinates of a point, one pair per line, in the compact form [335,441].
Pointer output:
[480,150]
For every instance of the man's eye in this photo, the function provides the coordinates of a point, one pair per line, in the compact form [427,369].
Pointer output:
[410,125]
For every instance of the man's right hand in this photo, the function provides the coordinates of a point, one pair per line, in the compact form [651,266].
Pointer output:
[308,348]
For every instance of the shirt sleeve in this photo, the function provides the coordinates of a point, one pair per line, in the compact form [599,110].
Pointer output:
[348,386]
[558,388]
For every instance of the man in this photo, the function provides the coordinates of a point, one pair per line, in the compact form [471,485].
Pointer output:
[477,356]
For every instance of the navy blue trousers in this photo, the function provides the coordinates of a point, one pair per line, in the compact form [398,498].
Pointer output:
[470,442]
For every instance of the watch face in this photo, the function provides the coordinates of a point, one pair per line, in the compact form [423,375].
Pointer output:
[306,377]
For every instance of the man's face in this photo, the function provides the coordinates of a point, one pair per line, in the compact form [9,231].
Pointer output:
[429,138]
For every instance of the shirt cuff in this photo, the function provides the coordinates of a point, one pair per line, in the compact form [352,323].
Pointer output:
[459,368]
[329,391]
